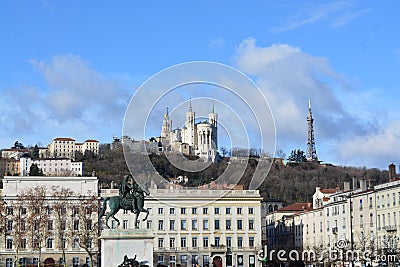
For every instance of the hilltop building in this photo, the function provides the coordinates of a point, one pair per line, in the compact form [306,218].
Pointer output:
[198,139]
[63,147]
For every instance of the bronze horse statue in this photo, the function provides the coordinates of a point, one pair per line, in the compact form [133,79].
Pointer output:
[136,204]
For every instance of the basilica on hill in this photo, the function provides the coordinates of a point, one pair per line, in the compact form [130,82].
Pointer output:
[197,139]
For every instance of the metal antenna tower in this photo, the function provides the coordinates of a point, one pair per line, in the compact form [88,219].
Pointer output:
[311,151]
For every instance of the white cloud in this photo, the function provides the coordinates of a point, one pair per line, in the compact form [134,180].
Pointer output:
[75,101]
[377,149]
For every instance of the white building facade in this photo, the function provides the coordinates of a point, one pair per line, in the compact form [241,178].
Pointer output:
[198,226]
[51,246]
[52,166]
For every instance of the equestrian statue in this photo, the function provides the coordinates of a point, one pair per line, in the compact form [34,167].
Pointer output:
[131,197]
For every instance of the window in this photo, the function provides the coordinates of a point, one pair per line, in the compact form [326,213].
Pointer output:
[172,260]
[171,224]
[216,224]
[49,243]
[23,243]
[160,210]
[205,210]
[9,225]
[239,210]
[205,242]
[183,242]
[194,224]
[216,210]
[371,219]
[149,225]
[251,211]
[394,199]
[194,210]
[251,241]
[75,261]
[172,242]
[216,241]
[205,224]
[383,201]
[9,243]
[194,242]
[76,225]
[75,243]
[171,211]
[239,224]
[50,225]
[9,262]
[160,225]
[125,224]
[160,258]
[240,241]
[251,224]
[183,210]
[228,224]
[161,242]
[370,202]
[63,225]
[377,201]
[320,227]
[228,210]
[10,211]
[183,259]
[183,225]
[228,241]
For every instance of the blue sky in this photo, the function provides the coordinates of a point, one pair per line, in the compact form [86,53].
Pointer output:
[69,68]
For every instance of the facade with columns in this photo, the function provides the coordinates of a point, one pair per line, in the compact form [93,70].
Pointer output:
[197,139]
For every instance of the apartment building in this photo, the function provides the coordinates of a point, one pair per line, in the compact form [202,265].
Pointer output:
[52,166]
[63,147]
[18,242]
[206,227]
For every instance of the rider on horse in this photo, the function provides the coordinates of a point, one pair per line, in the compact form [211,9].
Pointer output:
[130,194]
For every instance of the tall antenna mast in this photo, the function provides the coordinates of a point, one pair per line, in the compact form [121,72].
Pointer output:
[311,151]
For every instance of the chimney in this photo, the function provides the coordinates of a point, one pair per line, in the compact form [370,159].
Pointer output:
[392,172]
[363,184]
[354,183]
[346,186]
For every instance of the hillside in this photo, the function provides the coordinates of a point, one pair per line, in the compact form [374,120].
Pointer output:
[291,183]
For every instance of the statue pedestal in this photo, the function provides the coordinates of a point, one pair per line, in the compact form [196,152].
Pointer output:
[116,243]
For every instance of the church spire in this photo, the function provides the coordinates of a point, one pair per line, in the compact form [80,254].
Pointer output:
[311,151]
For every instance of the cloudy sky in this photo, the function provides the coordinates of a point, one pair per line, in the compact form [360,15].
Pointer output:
[70,68]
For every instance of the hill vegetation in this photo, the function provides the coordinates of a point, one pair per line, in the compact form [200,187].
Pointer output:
[293,182]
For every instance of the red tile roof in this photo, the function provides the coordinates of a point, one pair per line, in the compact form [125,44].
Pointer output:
[297,207]
[328,191]
[92,140]
[64,139]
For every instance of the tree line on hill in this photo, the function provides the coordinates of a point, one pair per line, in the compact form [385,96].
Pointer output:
[294,182]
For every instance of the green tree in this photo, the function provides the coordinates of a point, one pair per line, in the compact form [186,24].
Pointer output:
[35,171]
[35,152]
[297,156]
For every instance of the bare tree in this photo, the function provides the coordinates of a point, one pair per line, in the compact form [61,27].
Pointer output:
[17,225]
[87,229]
[38,219]
[61,205]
